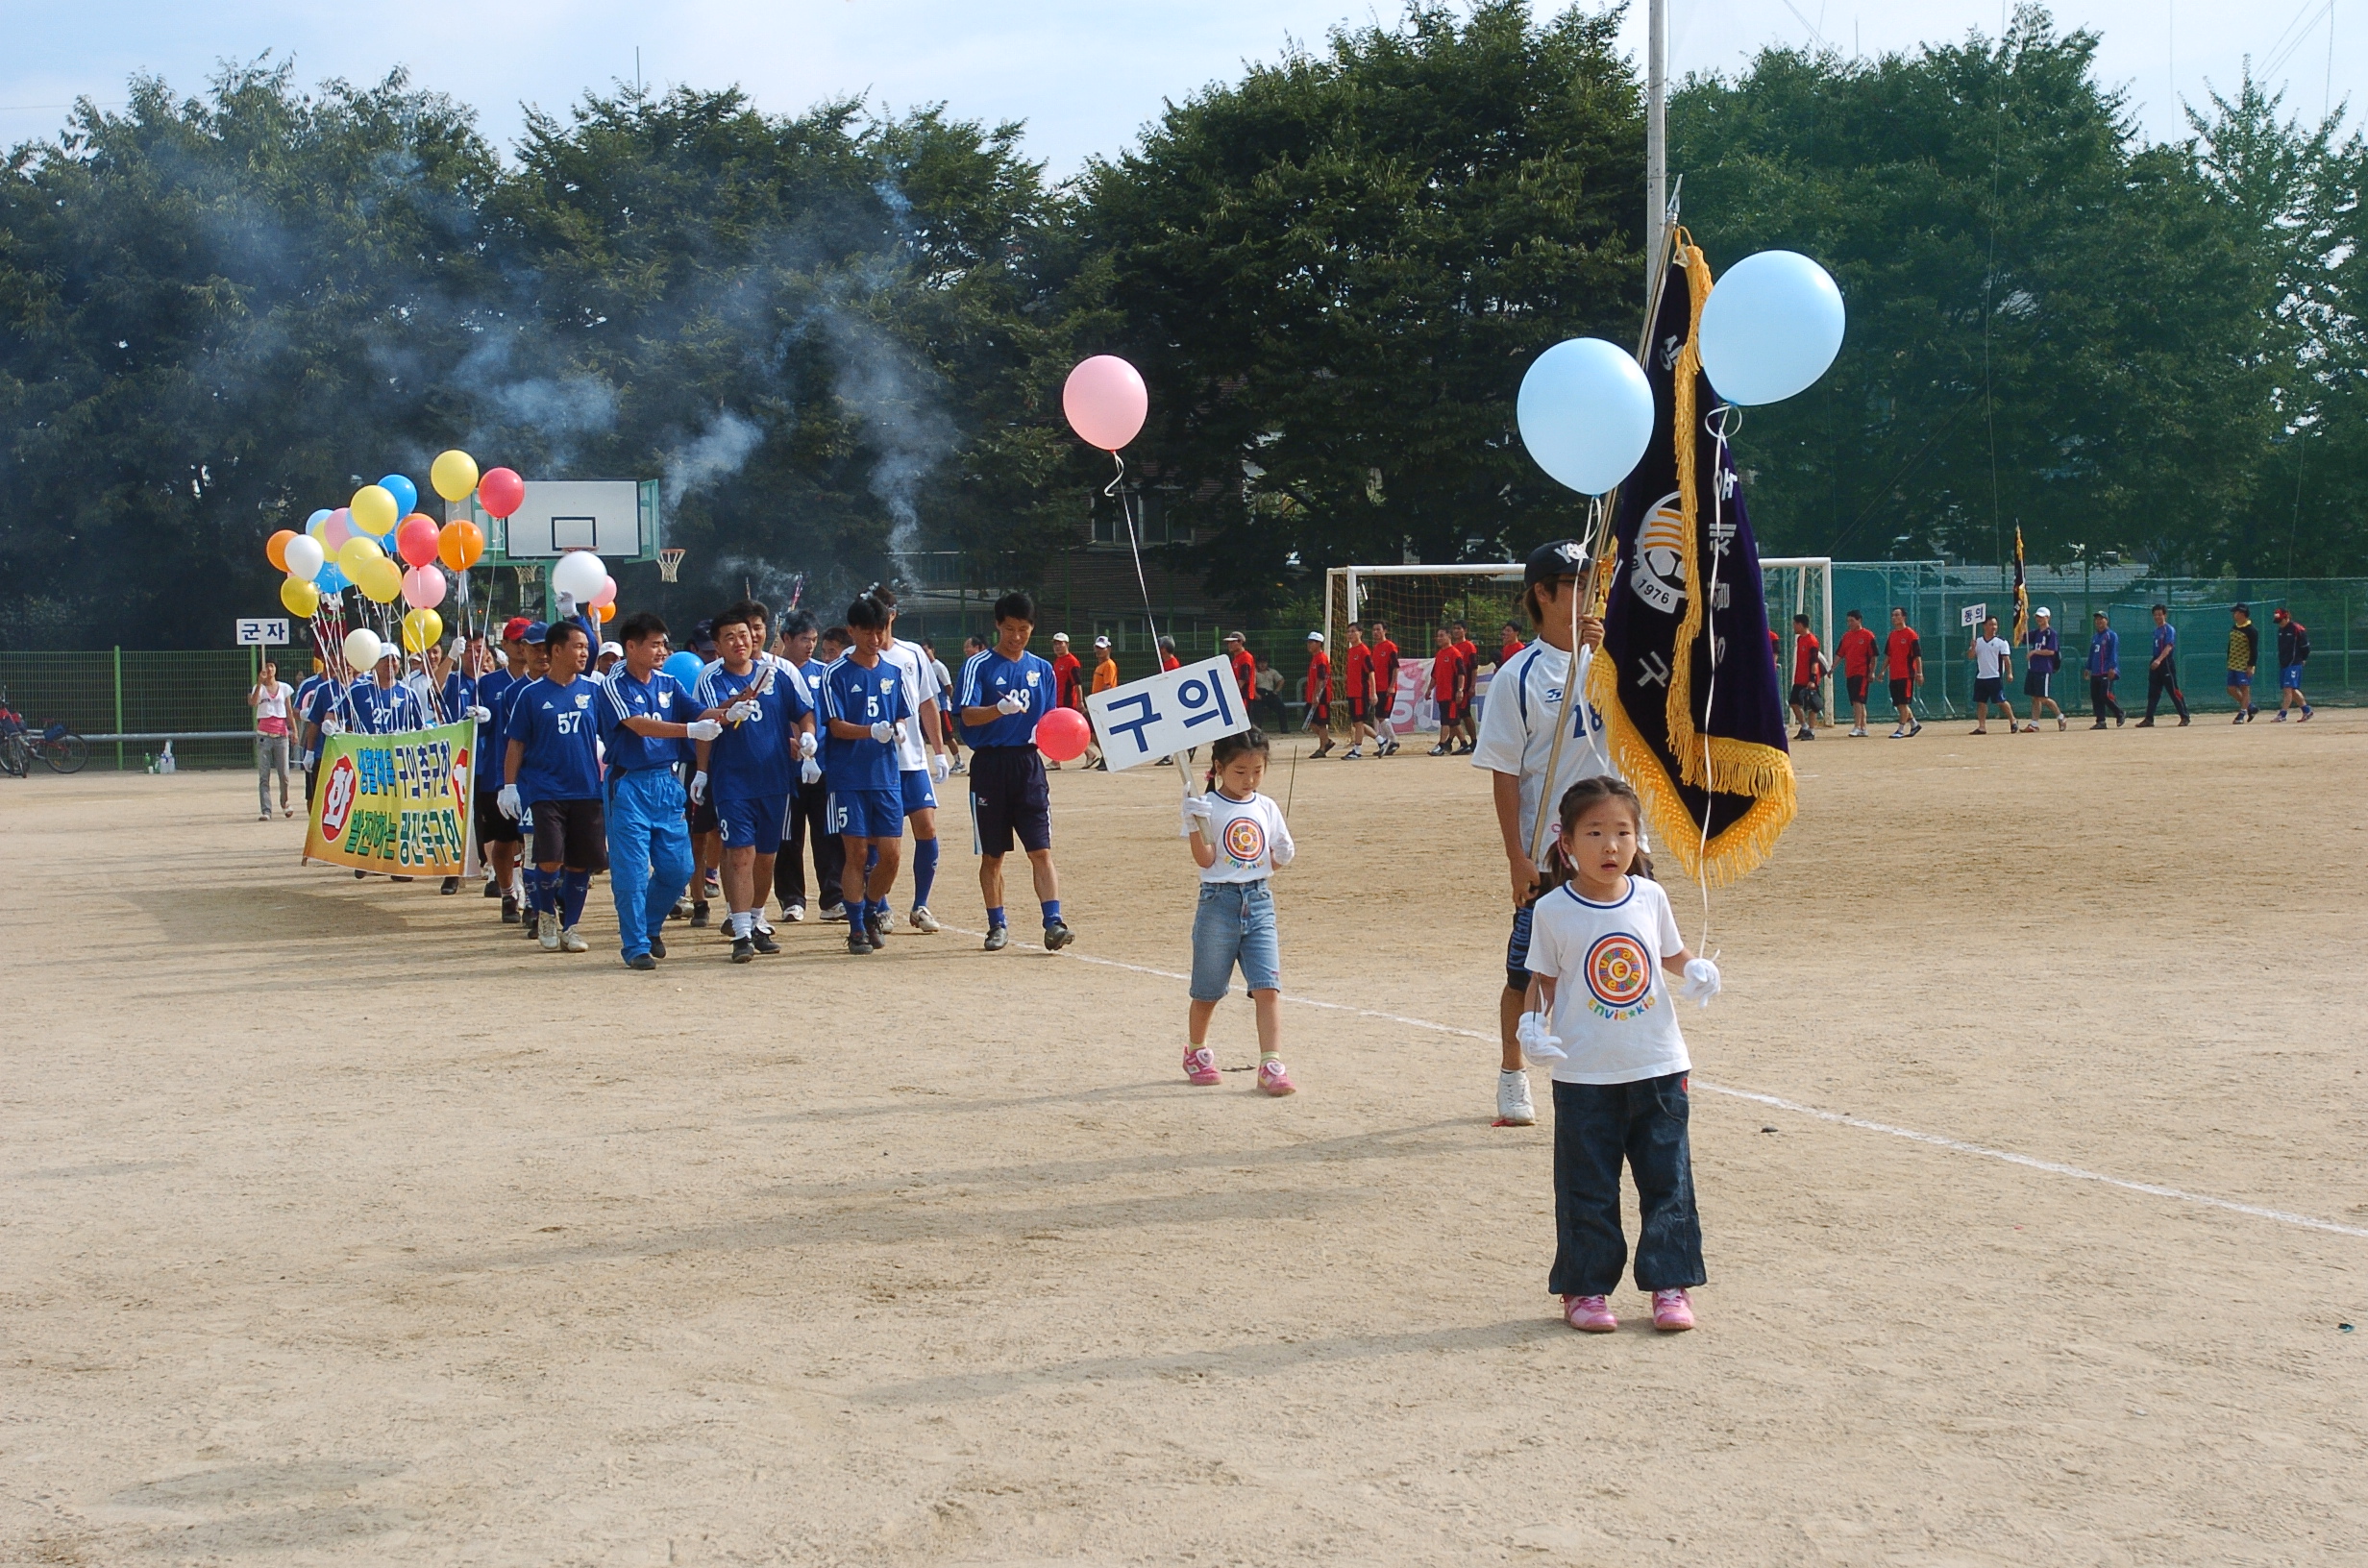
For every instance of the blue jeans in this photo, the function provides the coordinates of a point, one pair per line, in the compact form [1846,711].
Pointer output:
[649,852]
[1234,924]
[1595,1126]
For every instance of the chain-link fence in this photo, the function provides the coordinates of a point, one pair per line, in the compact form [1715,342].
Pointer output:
[122,691]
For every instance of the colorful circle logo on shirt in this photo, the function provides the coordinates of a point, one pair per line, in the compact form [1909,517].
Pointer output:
[1245,841]
[337,791]
[1618,971]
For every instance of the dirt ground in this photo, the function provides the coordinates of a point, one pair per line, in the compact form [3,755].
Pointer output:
[338,1225]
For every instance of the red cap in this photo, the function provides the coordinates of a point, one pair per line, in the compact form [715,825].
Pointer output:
[515,628]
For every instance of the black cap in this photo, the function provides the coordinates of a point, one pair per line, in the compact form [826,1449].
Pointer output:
[703,637]
[1547,563]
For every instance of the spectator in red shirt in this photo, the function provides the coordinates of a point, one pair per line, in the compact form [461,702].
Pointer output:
[1511,642]
[1858,668]
[1385,690]
[1317,693]
[1467,701]
[1904,654]
[1447,681]
[1167,655]
[1359,660]
[1068,691]
[1807,673]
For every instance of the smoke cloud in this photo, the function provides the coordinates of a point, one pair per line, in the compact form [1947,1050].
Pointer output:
[716,452]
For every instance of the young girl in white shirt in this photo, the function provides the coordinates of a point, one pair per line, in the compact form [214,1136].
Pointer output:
[1238,839]
[1603,948]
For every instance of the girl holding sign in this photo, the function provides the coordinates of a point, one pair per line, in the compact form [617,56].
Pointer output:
[1238,839]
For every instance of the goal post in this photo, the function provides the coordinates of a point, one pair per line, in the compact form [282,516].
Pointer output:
[1414,601]
[1801,586]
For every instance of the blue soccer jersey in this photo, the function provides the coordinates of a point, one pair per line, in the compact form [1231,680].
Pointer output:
[862,696]
[754,759]
[492,694]
[624,697]
[988,677]
[559,731]
[368,708]
[322,704]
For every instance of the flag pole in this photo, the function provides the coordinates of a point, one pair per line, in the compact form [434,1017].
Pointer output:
[1656,140]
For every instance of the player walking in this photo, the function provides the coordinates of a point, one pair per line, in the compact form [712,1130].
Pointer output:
[1993,666]
[750,768]
[1385,690]
[646,719]
[2293,653]
[1317,693]
[1904,652]
[2104,668]
[2040,668]
[865,700]
[1809,670]
[2244,659]
[1446,687]
[1358,664]
[1005,692]
[551,766]
[2163,671]
[1466,700]
[922,762]
[1858,668]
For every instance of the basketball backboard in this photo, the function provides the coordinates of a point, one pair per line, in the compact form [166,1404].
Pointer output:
[616,519]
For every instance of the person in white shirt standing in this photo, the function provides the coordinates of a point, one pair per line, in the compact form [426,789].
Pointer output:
[921,763]
[1239,839]
[1994,663]
[1517,727]
[270,699]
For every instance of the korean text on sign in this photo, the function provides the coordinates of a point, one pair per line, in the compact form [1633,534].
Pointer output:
[1161,715]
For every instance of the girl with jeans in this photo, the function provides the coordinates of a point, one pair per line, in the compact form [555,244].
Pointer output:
[1238,839]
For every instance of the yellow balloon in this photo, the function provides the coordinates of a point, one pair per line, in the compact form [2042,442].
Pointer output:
[356,555]
[422,630]
[374,508]
[454,475]
[380,581]
[300,597]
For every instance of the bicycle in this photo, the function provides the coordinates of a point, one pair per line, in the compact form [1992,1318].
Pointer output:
[56,747]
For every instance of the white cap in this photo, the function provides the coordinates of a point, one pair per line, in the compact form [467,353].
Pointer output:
[1060,636]
[1315,636]
[1101,641]
[618,648]
[2043,610]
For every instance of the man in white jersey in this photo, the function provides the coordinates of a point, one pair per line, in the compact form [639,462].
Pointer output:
[1993,666]
[1517,727]
[922,762]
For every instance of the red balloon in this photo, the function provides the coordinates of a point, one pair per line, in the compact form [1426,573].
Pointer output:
[501,492]
[416,540]
[1062,734]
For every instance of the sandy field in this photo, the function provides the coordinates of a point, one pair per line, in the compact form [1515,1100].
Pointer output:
[338,1225]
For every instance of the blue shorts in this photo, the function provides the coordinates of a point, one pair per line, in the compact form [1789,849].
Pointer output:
[2240,678]
[1516,952]
[753,821]
[2290,679]
[1234,924]
[918,793]
[866,814]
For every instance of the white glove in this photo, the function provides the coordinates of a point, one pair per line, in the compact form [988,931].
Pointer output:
[1538,1042]
[509,801]
[1196,816]
[567,606]
[884,733]
[809,771]
[699,789]
[940,767]
[744,710]
[482,715]
[311,759]
[807,745]
[331,726]
[1012,702]
[702,729]
[1701,981]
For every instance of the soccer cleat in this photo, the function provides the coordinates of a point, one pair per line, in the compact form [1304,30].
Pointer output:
[2280,718]
[1897,735]
[1915,729]
[265,818]
[763,939]
[493,888]
[1588,1314]
[1058,935]
[2184,721]
[682,910]
[358,873]
[876,930]
[1353,754]
[2306,717]
[2099,725]
[1200,1066]
[509,910]
[858,940]
[922,922]
[1274,1078]
[530,926]
[834,912]
[2031,729]
[570,942]
[794,914]
[547,932]
[1512,1103]
[2145,723]
[743,950]
[998,938]
[657,946]
[641,961]
[1439,751]
[711,883]
[451,885]
[1859,734]
[1672,1310]
[400,879]
[2240,717]
[699,914]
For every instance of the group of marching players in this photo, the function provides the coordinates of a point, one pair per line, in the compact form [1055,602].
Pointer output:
[829,741]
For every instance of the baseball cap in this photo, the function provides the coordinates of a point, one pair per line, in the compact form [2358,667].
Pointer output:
[702,636]
[515,628]
[1315,636]
[1561,558]
[536,630]
[618,648]
[1101,641]
[1060,636]
[1233,637]
[2044,610]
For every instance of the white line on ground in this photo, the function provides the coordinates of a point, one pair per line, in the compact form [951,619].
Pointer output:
[2052,1167]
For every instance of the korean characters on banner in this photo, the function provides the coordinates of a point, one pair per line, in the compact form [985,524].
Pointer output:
[1163,715]
[396,803]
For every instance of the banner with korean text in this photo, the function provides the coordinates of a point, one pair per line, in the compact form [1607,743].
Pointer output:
[1167,714]
[396,803]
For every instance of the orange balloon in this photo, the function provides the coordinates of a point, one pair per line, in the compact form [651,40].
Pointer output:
[275,549]
[608,612]
[460,545]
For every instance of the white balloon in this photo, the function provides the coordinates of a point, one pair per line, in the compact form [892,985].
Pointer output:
[1771,328]
[303,556]
[580,573]
[363,649]
[1586,413]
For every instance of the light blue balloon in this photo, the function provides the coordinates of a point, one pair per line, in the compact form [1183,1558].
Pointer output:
[330,578]
[1771,328]
[684,667]
[312,523]
[1586,413]
[404,492]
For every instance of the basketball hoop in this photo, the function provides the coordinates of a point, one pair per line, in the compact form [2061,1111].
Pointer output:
[669,563]
[528,576]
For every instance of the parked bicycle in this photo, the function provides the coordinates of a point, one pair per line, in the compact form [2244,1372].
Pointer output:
[55,747]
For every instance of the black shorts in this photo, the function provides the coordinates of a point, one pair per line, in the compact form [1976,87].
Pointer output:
[1009,797]
[1990,689]
[1805,697]
[492,827]
[2034,682]
[1450,713]
[704,819]
[1899,694]
[1857,688]
[574,833]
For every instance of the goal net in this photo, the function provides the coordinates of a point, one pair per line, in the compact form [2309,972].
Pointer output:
[1801,586]
[1414,603]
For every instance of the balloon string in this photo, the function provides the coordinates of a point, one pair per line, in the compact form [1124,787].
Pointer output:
[1116,488]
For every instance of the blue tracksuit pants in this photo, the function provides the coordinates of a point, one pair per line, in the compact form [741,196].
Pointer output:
[649,852]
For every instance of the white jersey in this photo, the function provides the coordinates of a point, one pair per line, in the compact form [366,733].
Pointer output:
[1990,656]
[922,683]
[1612,1011]
[1517,730]
[1252,841]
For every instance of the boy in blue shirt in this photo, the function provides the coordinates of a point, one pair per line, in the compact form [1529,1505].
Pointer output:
[550,766]
[496,836]
[648,723]
[765,742]
[1005,692]
[2104,668]
[864,699]
[2163,670]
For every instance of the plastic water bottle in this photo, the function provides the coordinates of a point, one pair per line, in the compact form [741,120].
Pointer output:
[164,763]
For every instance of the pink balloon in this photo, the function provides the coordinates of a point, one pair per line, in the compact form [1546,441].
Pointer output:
[336,531]
[416,540]
[1062,734]
[607,594]
[423,587]
[1105,400]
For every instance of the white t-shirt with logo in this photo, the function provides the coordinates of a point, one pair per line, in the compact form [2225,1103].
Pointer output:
[1990,656]
[1517,729]
[921,685]
[1613,1010]
[1252,841]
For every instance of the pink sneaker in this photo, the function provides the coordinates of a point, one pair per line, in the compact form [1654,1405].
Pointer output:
[1672,1311]
[1200,1066]
[1588,1314]
[1274,1078]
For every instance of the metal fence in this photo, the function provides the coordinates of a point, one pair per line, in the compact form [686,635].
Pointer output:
[123,691]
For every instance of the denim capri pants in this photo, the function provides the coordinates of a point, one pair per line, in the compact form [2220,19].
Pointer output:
[1234,924]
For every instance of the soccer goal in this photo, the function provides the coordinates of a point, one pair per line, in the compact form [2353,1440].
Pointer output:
[1801,586]
[1414,601]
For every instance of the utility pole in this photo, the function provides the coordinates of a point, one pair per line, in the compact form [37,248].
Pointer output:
[1656,136]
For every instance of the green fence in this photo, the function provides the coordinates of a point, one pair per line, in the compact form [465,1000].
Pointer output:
[120,691]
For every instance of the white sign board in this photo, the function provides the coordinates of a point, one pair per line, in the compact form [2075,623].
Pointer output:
[1973,615]
[261,632]
[1161,715]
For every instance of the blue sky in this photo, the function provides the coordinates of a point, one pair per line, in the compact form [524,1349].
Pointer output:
[1084,76]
